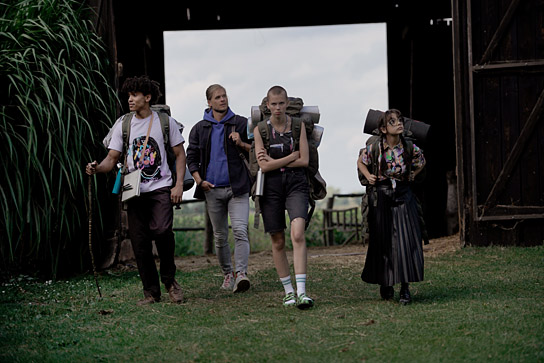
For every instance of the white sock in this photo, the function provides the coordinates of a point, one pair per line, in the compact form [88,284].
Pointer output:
[287,286]
[301,283]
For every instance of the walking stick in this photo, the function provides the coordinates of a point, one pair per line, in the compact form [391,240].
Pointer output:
[90,236]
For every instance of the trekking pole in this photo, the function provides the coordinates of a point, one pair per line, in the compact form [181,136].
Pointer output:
[90,236]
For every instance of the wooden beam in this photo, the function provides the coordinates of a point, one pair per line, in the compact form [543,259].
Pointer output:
[512,212]
[505,22]
[508,65]
[521,208]
[511,217]
[461,23]
[516,152]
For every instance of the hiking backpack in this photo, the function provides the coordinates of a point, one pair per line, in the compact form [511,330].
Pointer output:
[409,144]
[316,183]
[164,116]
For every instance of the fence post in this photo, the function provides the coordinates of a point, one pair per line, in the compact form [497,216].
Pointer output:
[330,232]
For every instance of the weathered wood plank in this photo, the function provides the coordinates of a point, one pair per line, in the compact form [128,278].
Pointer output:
[517,150]
[506,21]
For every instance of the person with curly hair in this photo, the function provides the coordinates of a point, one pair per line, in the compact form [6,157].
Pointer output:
[150,216]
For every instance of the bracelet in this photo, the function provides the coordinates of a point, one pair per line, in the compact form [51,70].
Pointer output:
[200,182]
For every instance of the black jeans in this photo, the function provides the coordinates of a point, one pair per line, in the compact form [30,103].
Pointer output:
[150,217]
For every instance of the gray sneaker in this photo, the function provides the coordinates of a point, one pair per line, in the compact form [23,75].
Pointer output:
[242,282]
[228,282]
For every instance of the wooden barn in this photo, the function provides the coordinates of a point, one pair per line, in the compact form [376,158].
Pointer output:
[472,69]
[499,98]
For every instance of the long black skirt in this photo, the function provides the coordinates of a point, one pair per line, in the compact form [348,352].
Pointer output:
[395,251]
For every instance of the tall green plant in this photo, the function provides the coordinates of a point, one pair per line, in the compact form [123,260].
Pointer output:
[55,98]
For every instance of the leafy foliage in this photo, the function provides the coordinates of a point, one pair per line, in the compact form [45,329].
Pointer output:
[55,98]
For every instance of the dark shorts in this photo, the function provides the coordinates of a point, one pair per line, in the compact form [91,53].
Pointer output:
[287,190]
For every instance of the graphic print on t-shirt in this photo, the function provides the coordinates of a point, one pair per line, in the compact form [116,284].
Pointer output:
[151,163]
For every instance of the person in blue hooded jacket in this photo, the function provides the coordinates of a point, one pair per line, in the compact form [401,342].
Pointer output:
[217,147]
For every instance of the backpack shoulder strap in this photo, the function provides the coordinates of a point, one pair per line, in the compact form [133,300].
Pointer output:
[296,124]
[409,145]
[263,130]
[126,129]
[375,153]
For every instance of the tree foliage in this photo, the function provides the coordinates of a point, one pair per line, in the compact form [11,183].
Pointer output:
[56,101]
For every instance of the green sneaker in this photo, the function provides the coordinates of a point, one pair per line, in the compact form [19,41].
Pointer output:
[290,299]
[304,302]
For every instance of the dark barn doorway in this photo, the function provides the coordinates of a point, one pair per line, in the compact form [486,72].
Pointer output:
[420,70]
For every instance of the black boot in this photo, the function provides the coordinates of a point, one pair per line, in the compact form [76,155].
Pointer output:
[387,292]
[405,297]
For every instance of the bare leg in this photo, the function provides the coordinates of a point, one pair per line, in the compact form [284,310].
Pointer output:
[300,258]
[278,253]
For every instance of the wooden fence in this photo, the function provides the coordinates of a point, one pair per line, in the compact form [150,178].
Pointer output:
[207,228]
[342,219]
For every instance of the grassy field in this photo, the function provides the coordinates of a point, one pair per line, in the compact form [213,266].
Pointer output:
[476,304]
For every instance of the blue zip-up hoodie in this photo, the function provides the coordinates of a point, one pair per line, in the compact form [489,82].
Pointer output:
[217,172]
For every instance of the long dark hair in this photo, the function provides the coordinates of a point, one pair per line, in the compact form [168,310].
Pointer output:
[382,123]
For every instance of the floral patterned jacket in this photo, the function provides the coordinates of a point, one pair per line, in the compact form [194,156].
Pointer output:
[396,166]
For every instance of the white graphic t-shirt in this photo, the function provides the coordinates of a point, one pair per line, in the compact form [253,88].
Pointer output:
[155,170]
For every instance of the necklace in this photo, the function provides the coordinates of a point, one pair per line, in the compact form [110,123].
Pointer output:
[284,127]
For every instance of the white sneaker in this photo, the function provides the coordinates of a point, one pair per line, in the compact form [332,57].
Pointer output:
[242,282]
[228,282]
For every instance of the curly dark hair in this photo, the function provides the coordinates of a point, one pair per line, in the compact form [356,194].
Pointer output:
[143,84]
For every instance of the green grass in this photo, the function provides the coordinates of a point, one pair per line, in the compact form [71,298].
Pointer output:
[477,304]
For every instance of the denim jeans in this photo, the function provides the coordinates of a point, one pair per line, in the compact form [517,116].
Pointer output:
[221,204]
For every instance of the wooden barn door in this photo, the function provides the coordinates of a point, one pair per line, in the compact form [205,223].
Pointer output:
[499,100]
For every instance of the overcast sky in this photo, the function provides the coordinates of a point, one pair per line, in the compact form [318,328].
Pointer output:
[341,69]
